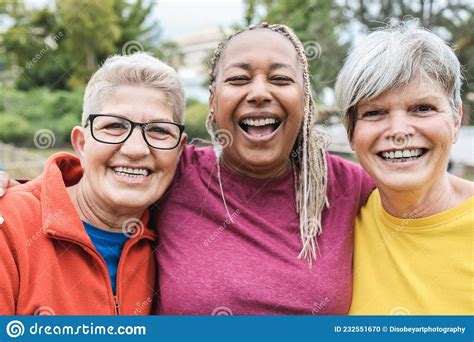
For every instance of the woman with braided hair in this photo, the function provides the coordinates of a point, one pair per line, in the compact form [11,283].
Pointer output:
[260,223]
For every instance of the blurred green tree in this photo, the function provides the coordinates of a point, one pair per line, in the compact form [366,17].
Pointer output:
[60,46]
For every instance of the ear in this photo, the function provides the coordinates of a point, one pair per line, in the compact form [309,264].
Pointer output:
[457,123]
[78,141]
[182,144]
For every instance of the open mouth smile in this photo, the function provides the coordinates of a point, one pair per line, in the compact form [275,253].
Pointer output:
[402,156]
[260,127]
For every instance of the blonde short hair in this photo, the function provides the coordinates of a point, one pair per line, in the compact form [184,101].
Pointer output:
[140,69]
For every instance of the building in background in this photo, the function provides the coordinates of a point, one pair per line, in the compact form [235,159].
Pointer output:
[196,49]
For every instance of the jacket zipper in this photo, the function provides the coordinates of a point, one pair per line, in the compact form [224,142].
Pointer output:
[117,308]
[99,257]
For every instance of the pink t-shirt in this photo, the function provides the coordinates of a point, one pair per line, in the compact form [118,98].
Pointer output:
[209,265]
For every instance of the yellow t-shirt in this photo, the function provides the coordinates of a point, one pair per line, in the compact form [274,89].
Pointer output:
[412,266]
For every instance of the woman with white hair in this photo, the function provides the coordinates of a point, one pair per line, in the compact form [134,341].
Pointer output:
[75,241]
[399,93]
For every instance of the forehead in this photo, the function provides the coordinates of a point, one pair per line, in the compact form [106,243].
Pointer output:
[260,45]
[138,103]
[421,87]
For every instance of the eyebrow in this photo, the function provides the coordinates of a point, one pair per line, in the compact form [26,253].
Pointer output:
[124,117]
[248,67]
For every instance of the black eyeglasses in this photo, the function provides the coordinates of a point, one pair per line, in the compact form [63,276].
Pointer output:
[114,129]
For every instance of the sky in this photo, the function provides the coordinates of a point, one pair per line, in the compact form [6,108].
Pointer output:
[178,17]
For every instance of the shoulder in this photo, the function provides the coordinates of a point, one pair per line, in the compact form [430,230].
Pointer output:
[20,209]
[345,170]
[349,179]
[196,156]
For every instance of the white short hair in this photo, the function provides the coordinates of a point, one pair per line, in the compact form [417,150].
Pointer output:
[140,69]
[391,57]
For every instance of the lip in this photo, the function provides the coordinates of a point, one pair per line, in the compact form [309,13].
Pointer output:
[141,180]
[260,140]
[260,115]
[149,168]
[404,165]
[401,149]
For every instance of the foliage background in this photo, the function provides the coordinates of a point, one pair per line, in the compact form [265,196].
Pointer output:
[47,54]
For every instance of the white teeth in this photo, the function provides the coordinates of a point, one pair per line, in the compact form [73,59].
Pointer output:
[131,171]
[259,122]
[402,154]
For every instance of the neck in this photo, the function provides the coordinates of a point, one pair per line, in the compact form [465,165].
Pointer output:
[432,199]
[100,215]
[259,172]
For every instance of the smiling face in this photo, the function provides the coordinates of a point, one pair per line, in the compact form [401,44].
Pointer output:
[130,175]
[258,99]
[403,137]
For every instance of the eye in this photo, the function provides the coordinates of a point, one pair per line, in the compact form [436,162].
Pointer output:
[280,79]
[156,129]
[115,126]
[372,115]
[240,79]
[424,108]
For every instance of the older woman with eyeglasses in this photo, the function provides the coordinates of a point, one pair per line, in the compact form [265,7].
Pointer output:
[75,241]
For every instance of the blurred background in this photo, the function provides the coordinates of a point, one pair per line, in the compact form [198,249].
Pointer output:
[49,49]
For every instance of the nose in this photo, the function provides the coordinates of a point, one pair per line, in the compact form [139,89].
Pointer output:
[259,91]
[135,146]
[400,129]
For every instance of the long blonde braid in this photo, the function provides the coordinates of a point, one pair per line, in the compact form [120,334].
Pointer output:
[308,154]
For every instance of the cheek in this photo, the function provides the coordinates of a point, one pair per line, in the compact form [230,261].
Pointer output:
[166,161]
[97,155]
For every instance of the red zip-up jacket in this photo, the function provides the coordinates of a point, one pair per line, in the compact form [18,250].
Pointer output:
[48,264]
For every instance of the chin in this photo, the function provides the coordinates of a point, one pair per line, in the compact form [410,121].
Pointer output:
[402,181]
[130,201]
